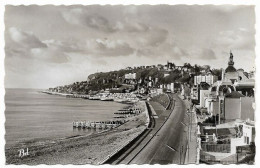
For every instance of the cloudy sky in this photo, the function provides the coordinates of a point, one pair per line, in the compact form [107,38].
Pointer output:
[48,46]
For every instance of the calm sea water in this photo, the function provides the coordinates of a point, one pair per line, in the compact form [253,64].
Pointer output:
[33,115]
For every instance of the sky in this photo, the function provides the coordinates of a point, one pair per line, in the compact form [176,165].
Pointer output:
[48,46]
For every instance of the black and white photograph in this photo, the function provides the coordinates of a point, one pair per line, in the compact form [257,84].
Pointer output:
[92,84]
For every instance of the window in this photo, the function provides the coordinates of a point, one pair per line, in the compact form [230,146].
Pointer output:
[207,157]
[222,108]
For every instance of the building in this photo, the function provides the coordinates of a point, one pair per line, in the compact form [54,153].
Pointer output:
[156,80]
[170,66]
[219,144]
[172,87]
[204,93]
[232,74]
[129,68]
[231,101]
[185,91]
[228,104]
[207,78]
[179,68]
[130,76]
[155,91]
[199,92]
[246,83]
[221,88]
[166,74]
[238,106]
[230,98]
[195,94]
[159,66]
[211,102]
[242,81]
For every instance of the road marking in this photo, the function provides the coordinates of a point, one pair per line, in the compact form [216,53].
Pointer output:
[184,124]
[171,148]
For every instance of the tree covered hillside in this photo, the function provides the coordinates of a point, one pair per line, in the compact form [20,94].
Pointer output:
[144,75]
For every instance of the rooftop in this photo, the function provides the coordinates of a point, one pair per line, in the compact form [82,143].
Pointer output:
[234,94]
[230,69]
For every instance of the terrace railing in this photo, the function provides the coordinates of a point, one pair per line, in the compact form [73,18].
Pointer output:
[222,148]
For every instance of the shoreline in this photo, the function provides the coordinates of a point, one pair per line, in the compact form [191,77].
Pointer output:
[40,117]
[125,98]
[49,151]
[95,147]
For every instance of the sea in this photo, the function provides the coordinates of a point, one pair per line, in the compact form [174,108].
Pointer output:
[32,115]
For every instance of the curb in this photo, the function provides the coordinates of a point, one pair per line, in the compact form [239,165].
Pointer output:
[119,149]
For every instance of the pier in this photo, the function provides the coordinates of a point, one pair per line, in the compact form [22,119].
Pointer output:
[97,125]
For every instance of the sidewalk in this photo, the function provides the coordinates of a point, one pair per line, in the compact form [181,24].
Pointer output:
[191,153]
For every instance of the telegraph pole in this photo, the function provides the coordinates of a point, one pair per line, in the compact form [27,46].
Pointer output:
[182,151]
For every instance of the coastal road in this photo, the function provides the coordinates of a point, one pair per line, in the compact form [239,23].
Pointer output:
[164,142]
[169,144]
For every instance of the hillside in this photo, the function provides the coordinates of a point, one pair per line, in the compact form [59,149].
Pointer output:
[144,75]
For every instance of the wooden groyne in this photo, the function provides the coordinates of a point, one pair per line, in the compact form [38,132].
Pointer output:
[120,117]
[129,111]
[97,125]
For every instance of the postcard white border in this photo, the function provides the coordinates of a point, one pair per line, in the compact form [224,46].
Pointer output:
[123,2]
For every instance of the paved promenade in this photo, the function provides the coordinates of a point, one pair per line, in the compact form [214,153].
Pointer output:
[191,156]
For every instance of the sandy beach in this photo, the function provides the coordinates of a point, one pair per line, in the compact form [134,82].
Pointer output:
[90,149]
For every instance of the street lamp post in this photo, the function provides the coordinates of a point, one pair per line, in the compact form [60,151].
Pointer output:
[181,152]
[189,113]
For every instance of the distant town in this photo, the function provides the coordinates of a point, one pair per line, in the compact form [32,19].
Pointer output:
[222,101]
